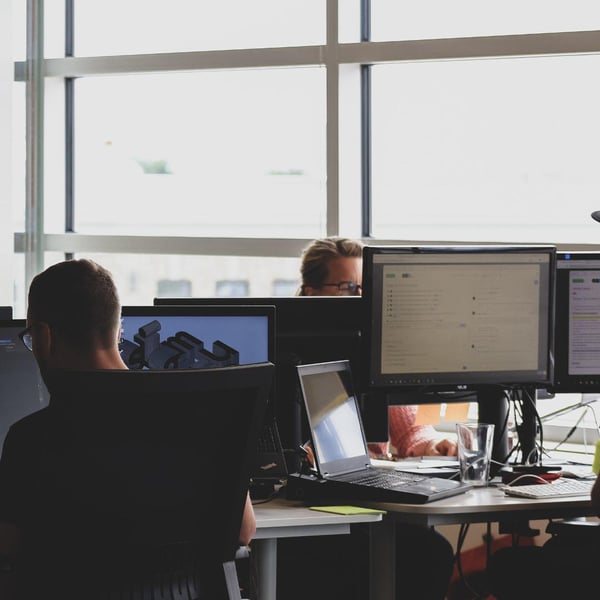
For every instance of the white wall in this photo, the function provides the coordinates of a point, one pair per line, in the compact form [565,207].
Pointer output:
[6,83]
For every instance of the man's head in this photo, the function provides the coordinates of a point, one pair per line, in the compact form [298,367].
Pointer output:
[332,267]
[74,316]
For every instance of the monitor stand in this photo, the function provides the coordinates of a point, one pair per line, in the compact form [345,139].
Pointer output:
[527,429]
[492,405]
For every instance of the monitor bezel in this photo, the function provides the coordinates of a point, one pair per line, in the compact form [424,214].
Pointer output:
[564,382]
[454,382]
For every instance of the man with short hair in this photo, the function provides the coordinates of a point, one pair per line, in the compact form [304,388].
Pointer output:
[73,322]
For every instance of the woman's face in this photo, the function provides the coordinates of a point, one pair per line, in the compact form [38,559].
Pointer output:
[341,272]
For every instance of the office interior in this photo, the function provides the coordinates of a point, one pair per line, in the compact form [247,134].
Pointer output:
[200,161]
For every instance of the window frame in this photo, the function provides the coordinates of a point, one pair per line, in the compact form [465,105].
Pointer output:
[37,71]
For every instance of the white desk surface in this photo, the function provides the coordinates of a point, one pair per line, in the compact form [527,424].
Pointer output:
[279,518]
[290,518]
[486,504]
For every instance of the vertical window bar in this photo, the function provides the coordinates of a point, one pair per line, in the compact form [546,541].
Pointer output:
[332,67]
[69,125]
[34,162]
[365,125]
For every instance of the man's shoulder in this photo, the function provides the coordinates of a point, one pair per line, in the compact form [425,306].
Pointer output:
[32,420]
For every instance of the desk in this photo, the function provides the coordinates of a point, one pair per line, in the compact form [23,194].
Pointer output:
[285,518]
[479,505]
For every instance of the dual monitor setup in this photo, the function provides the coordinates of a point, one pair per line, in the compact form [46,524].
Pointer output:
[434,324]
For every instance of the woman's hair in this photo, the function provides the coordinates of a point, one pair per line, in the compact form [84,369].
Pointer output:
[317,255]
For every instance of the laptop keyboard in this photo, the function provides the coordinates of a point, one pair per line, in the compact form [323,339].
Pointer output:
[388,480]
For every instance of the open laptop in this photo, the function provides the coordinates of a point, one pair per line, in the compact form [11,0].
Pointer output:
[342,458]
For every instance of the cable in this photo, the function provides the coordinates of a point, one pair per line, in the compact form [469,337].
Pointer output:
[462,534]
[571,431]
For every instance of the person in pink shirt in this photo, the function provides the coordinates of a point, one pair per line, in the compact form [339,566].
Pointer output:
[409,439]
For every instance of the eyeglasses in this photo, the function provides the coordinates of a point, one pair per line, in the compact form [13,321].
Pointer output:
[26,338]
[346,288]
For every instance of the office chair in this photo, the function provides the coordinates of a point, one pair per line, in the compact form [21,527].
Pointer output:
[143,483]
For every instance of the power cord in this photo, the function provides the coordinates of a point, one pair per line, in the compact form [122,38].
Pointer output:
[462,534]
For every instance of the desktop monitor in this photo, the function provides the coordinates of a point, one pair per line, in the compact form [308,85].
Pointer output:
[577,323]
[22,390]
[310,329]
[196,337]
[460,319]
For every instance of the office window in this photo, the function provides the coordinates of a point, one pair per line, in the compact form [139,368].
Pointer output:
[227,288]
[487,150]
[236,120]
[148,26]
[138,276]
[428,19]
[205,154]
[178,288]
[285,287]
[18,157]
[19,29]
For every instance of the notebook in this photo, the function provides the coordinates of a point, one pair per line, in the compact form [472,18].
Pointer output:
[344,468]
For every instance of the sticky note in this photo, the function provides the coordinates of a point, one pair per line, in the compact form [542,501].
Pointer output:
[596,463]
[349,510]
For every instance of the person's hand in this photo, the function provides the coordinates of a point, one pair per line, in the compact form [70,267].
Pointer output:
[309,454]
[443,447]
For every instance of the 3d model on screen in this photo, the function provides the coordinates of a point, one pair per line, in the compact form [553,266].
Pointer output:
[181,351]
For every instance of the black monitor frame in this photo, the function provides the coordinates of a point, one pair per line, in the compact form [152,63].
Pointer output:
[152,313]
[463,379]
[577,368]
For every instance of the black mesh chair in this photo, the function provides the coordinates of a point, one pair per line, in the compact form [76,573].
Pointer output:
[143,483]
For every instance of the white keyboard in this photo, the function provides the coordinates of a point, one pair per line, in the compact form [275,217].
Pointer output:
[559,488]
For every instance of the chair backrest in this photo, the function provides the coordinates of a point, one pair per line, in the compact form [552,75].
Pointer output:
[144,460]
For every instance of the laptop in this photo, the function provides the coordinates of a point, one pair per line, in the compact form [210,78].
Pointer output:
[344,468]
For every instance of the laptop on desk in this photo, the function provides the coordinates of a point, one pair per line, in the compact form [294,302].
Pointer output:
[344,468]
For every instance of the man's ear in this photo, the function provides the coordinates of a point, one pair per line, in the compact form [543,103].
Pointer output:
[43,342]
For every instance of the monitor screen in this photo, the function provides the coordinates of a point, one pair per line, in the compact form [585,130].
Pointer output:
[184,337]
[22,390]
[458,318]
[577,323]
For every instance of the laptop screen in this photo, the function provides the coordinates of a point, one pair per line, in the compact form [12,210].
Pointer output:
[333,417]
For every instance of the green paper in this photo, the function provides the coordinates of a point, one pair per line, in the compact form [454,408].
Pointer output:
[349,510]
